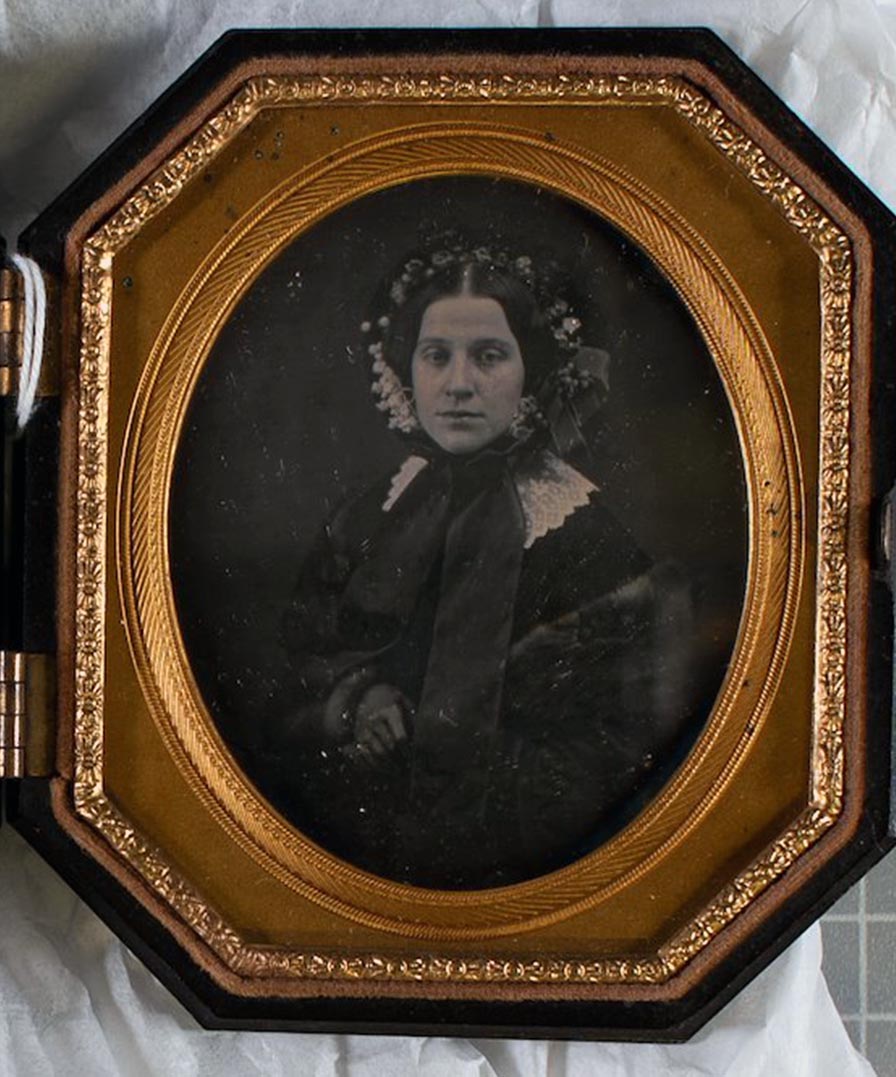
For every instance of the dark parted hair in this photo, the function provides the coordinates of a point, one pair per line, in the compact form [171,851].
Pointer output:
[527,321]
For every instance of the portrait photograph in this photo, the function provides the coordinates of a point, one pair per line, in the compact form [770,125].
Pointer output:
[458,532]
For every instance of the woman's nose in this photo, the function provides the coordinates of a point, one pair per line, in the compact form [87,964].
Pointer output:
[459,383]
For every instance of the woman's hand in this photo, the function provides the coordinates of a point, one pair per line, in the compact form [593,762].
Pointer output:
[340,709]
[380,730]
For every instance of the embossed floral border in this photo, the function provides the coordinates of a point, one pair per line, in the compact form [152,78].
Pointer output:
[834,252]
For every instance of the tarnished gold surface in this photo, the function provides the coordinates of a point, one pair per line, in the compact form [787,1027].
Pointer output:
[623,940]
[12,330]
[9,380]
[12,714]
[27,714]
[12,317]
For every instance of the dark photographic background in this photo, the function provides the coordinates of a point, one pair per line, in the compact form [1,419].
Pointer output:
[282,427]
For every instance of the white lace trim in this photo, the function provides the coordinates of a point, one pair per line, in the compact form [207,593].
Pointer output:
[402,479]
[549,489]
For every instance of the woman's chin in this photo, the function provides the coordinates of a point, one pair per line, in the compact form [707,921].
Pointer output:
[462,440]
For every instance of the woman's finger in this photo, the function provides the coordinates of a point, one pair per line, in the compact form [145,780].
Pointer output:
[381,731]
[366,755]
[394,720]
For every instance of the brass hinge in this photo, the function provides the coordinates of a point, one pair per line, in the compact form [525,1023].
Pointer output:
[27,714]
[12,334]
[12,320]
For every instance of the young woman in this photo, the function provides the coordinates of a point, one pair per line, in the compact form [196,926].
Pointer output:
[491,676]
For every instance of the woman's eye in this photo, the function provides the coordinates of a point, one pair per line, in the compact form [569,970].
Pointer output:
[436,356]
[490,356]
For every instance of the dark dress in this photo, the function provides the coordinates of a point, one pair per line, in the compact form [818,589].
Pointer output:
[542,655]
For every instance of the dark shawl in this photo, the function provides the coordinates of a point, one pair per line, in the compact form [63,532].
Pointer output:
[547,674]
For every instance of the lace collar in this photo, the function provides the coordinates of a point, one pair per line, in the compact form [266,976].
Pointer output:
[549,489]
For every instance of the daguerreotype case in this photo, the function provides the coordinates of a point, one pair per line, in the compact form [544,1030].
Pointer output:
[447,578]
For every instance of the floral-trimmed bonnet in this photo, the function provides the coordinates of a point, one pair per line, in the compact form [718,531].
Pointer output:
[571,393]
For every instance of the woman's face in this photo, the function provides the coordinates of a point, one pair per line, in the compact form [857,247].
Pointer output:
[467,372]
